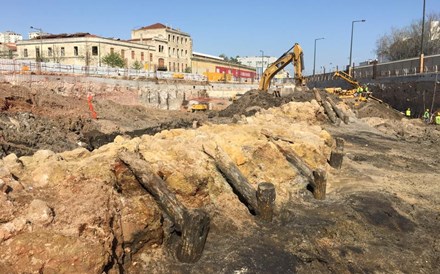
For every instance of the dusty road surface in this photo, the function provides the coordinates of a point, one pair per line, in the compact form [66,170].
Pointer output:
[69,205]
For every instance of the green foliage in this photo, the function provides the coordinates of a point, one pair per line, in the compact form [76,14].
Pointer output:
[137,65]
[188,70]
[230,59]
[114,60]
[406,42]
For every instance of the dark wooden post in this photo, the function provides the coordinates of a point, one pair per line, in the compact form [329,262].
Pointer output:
[194,225]
[317,96]
[234,177]
[338,111]
[266,200]
[194,234]
[317,178]
[337,154]
[329,111]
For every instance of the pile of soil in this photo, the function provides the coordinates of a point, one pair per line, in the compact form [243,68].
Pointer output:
[253,100]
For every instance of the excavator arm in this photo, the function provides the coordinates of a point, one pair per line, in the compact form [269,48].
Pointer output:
[294,56]
[347,78]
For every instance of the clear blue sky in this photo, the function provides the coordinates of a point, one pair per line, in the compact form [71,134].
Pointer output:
[239,27]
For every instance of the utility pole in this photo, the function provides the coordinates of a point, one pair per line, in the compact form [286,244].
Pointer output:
[423,34]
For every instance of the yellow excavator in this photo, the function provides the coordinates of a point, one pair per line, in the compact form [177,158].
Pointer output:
[293,55]
[351,93]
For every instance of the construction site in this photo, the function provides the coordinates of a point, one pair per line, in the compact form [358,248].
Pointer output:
[133,175]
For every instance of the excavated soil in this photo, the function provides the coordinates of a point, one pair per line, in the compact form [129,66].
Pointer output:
[381,213]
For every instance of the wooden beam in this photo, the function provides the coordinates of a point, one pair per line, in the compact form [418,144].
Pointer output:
[337,154]
[338,111]
[193,225]
[234,177]
[266,199]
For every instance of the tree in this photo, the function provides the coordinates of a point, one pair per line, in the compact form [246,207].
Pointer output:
[137,65]
[188,70]
[405,42]
[113,60]
[230,59]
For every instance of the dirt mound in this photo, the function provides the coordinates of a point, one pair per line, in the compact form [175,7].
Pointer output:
[254,100]
[376,109]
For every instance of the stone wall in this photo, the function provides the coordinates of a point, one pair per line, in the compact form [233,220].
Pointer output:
[163,94]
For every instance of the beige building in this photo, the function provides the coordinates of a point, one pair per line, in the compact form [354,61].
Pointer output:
[172,45]
[84,49]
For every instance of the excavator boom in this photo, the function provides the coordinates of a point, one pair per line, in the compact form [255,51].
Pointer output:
[294,56]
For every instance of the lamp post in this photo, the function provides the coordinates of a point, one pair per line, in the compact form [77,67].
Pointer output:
[351,43]
[41,42]
[262,64]
[314,54]
[423,32]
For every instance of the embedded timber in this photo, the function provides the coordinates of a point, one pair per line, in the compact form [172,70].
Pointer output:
[266,198]
[338,111]
[337,154]
[317,178]
[234,177]
[193,224]
[329,111]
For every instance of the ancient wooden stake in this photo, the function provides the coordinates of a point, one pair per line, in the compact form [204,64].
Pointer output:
[235,178]
[319,184]
[337,154]
[317,178]
[329,111]
[266,201]
[317,96]
[194,233]
[338,111]
[193,225]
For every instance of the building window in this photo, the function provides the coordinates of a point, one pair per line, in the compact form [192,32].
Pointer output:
[75,51]
[186,53]
[142,56]
[49,51]
[122,53]
[169,51]
[177,39]
[132,54]
[63,51]
[169,37]
[174,38]
[169,65]
[151,57]
[25,53]
[94,50]
[112,50]
[181,52]
[37,52]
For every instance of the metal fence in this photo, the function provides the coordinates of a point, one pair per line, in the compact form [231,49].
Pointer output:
[17,66]
[399,68]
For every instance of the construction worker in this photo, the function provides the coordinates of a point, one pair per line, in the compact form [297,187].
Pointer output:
[408,112]
[426,116]
[437,118]
[359,91]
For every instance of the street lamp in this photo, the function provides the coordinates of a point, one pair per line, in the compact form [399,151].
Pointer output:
[262,66]
[314,54]
[351,43]
[41,41]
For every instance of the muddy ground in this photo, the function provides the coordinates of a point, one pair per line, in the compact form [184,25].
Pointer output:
[381,215]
